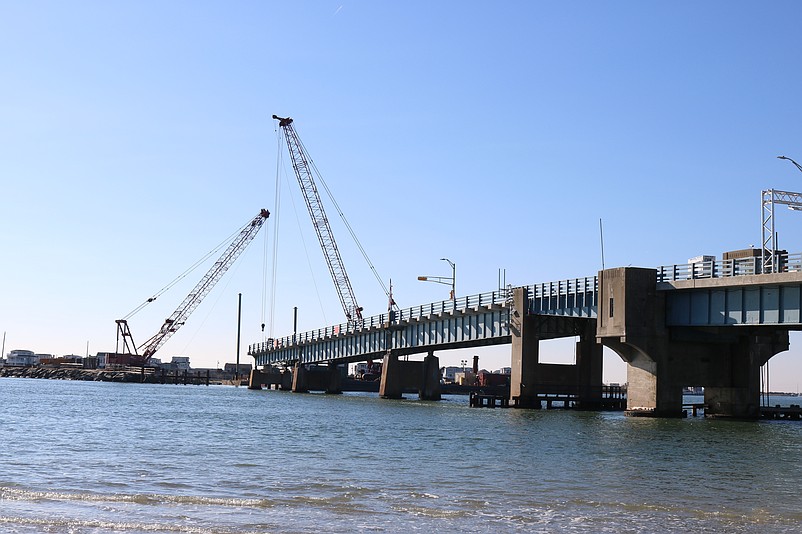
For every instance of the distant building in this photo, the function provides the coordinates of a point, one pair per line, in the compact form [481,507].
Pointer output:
[465,378]
[103,359]
[486,379]
[450,373]
[231,368]
[70,360]
[22,358]
[180,362]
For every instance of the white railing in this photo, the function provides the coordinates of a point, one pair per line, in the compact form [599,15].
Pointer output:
[725,268]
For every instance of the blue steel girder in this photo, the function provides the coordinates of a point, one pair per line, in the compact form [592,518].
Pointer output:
[471,321]
[760,300]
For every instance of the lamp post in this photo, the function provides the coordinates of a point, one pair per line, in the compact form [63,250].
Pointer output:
[798,166]
[453,277]
[447,280]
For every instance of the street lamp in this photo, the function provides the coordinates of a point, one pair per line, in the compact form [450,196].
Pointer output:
[798,166]
[447,280]
[453,277]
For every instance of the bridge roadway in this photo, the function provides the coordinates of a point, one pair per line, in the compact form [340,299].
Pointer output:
[692,298]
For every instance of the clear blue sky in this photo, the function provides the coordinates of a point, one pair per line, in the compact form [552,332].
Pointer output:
[135,136]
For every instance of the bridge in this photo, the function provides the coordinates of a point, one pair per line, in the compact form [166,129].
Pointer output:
[711,323]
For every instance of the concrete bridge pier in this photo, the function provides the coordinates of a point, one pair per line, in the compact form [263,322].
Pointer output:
[589,368]
[268,378]
[334,379]
[736,393]
[661,359]
[398,375]
[286,380]
[530,379]
[299,381]
[631,321]
[318,378]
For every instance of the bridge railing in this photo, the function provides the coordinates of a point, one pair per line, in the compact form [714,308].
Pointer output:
[572,293]
[725,268]
[461,304]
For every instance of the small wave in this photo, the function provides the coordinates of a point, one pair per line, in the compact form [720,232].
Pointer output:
[60,525]
[436,513]
[16,494]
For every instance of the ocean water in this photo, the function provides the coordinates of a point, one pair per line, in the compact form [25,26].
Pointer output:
[86,457]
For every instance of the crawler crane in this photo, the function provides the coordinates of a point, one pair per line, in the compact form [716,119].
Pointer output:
[301,163]
[142,354]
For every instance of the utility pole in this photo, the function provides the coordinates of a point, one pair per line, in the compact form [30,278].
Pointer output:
[239,330]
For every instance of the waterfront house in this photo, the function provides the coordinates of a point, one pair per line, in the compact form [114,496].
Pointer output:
[23,358]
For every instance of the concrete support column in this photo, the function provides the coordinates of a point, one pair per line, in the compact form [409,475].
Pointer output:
[335,379]
[391,386]
[525,355]
[589,369]
[299,382]
[736,392]
[254,380]
[430,386]
[631,321]
[416,375]
[651,390]
[286,380]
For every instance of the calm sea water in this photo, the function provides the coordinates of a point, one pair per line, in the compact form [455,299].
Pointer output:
[100,457]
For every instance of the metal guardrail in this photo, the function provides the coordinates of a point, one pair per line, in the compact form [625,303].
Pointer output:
[725,268]
[462,304]
[578,288]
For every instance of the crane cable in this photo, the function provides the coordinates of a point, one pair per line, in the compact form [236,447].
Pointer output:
[303,242]
[274,268]
[350,229]
[183,275]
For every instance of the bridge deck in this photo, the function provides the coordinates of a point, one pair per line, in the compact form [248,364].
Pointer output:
[714,293]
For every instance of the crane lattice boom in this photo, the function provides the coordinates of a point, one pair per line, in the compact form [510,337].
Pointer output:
[303,171]
[180,315]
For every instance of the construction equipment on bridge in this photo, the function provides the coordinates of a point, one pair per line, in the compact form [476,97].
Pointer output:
[301,163]
[192,300]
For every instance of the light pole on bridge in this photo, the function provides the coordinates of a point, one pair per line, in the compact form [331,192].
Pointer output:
[447,280]
[798,166]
